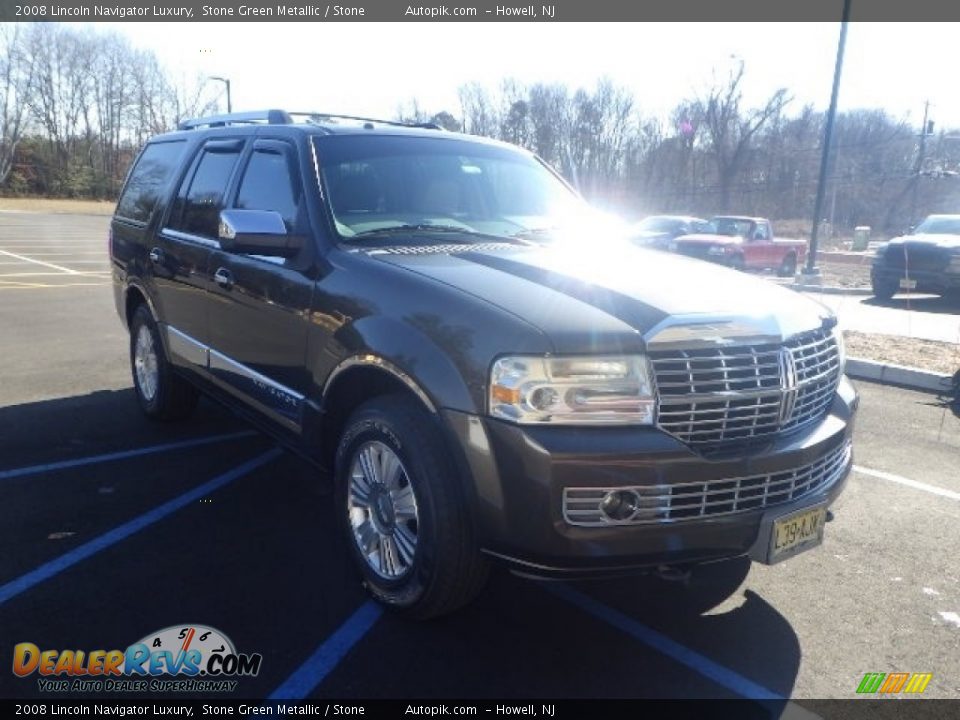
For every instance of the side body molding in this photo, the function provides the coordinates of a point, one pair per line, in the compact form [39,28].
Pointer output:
[281,403]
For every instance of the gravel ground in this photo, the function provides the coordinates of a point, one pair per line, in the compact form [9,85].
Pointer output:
[847,276]
[929,355]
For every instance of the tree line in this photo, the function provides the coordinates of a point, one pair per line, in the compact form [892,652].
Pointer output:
[77,103]
[715,154]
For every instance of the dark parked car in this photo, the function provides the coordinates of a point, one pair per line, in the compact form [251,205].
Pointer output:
[657,231]
[436,320]
[925,260]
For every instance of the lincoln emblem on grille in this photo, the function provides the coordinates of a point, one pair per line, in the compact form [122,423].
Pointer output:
[788,376]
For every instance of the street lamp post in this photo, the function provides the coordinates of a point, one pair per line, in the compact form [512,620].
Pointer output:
[811,268]
[226,81]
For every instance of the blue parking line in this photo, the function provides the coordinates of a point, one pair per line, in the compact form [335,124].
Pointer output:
[122,532]
[122,455]
[719,674]
[326,657]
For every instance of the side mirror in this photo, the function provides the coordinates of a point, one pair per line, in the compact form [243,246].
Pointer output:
[257,232]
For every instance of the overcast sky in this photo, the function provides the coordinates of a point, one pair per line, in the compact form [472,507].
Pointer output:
[369,68]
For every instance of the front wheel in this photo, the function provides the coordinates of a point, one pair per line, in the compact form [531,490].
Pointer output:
[162,394]
[884,289]
[403,510]
[738,263]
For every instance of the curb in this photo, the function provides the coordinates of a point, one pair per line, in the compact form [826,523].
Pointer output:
[828,290]
[908,377]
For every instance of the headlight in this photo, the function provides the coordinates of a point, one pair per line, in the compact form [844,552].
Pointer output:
[841,347]
[717,250]
[600,390]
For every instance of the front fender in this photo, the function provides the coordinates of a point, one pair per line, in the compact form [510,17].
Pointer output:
[416,359]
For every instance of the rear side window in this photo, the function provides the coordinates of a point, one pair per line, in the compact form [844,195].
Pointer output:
[268,185]
[203,199]
[148,179]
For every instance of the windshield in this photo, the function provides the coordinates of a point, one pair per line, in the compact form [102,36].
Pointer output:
[942,225]
[660,224]
[733,227]
[379,185]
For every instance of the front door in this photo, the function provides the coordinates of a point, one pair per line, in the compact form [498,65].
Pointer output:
[261,305]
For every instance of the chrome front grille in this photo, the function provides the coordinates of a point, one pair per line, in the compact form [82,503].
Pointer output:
[691,500]
[719,396]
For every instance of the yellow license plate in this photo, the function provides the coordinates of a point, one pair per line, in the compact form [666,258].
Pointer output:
[795,533]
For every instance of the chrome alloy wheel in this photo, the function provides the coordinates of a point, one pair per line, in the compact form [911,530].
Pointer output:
[145,364]
[383,510]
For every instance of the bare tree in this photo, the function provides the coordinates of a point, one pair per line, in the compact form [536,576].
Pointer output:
[16,79]
[731,130]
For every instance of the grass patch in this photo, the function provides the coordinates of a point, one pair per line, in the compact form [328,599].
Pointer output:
[58,205]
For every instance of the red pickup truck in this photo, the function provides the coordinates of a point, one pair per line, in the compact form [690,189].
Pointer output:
[743,243]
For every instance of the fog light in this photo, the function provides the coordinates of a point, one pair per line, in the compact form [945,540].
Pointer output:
[619,505]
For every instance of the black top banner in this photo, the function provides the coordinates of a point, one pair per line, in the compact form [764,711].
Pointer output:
[471,11]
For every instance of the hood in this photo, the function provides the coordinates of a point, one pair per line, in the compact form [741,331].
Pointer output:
[706,239]
[940,240]
[592,301]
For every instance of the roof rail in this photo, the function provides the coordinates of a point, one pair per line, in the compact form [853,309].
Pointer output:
[282,117]
[272,117]
[313,116]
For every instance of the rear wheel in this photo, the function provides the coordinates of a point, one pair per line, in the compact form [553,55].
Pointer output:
[788,268]
[403,512]
[162,394]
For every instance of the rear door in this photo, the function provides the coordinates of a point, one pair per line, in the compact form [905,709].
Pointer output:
[181,254]
[261,304]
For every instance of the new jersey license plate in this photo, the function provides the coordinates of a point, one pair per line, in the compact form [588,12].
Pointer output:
[796,533]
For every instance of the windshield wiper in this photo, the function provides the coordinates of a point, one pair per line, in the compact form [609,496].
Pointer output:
[466,235]
[537,232]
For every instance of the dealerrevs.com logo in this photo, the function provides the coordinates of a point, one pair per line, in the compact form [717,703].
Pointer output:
[180,658]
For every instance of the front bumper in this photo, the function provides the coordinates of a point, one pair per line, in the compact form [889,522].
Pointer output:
[520,474]
[940,281]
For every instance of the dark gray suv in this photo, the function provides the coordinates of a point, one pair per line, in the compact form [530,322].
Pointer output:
[487,372]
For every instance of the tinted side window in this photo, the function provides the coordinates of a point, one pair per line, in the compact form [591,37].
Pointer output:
[148,179]
[268,185]
[204,198]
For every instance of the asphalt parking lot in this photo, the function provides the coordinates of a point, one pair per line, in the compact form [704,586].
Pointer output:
[114,528]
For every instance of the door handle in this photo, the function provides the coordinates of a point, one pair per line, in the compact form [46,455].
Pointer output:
[156,256]
[223,278]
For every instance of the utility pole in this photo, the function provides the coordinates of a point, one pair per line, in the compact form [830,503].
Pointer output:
[811,268]
[921,156]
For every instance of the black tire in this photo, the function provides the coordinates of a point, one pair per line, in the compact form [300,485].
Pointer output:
[738,263]
[173,398]
[446,570]
[788,268]
[883,289]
